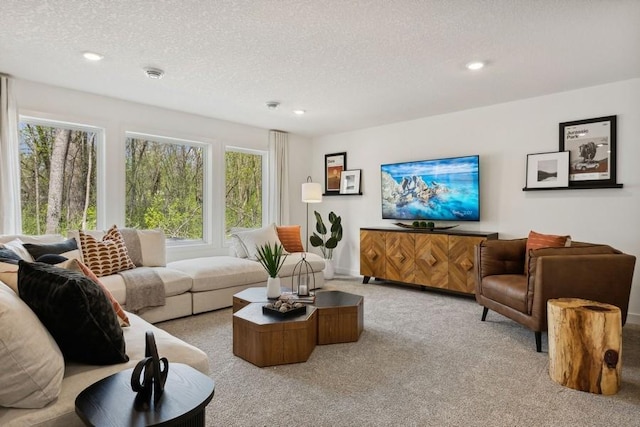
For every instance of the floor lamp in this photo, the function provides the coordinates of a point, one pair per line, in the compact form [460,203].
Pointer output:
[311,193]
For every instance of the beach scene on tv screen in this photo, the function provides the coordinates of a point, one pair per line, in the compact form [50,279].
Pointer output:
[439,190]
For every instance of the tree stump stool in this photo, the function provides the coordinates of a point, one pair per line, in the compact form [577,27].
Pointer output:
[585,344]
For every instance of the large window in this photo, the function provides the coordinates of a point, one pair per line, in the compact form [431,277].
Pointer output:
[244,195]
[57,176]
[165,185]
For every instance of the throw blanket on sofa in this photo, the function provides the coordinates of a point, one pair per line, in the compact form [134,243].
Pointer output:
[145,289]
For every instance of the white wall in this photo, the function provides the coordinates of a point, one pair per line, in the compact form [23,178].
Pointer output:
[503,135]
[117,117]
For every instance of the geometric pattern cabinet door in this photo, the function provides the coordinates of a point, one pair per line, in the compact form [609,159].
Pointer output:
[372,259]
[461,250]
[400,250]
[432,260]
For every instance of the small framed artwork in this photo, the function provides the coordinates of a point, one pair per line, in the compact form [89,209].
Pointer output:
[548,170]
[350,182]
[334,164]
[591,145]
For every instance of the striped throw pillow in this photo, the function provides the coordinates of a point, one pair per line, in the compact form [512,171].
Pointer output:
[289,236]
[106,256]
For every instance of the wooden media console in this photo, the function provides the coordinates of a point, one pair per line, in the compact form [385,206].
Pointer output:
[442,259]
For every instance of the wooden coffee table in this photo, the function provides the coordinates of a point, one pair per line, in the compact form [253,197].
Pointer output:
[336,317]
[340,317]
[267,340]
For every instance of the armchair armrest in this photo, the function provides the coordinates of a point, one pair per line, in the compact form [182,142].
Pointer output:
[605,278]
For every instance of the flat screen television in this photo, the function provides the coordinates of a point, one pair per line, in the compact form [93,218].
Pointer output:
[436,190]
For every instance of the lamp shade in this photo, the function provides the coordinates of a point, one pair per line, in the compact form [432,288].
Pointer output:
[311,192]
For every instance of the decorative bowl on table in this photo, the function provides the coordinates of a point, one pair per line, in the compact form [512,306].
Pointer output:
[284,309]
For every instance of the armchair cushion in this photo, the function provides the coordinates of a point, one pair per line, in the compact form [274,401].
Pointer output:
[507,289]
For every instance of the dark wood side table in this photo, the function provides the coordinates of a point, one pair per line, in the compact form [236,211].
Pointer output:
[340,317]
[109,402]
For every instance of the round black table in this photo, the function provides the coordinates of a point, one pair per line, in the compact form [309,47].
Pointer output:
[110,401]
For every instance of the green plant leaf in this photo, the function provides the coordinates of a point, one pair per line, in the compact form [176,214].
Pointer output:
[315,240]
[331,243]
[320,227]
[332,217]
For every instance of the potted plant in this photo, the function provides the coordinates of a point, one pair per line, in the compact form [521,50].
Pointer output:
[327,239]
[272,258]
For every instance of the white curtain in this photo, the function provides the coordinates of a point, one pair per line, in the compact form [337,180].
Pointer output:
[9,160]
[279,177]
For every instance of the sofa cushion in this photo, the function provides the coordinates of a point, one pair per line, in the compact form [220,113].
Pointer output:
[32,364]
[76,312]
[17,246]
[289,236]
[251,239]
[220,272]
[77,265]
[146,248]
[9,273]
[67,249]
[106,256]
[8,254]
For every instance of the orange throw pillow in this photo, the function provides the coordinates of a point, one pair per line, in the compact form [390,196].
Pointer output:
[538,240]
[289,236]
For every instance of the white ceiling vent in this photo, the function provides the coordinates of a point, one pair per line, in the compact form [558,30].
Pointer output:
[154,73]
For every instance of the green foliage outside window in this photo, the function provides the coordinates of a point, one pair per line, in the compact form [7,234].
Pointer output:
[164,187]
[57,178]
[243,177]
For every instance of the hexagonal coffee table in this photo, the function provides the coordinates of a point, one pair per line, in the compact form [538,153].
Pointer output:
[267,340]
[340,316]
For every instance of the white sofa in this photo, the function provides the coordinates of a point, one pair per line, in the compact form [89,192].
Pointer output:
[77,377]
[191,286]
[197,285]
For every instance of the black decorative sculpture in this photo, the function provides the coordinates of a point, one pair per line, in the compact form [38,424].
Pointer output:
[153,374]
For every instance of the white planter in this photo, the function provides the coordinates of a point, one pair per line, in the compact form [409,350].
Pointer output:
[329,269]
[273,287]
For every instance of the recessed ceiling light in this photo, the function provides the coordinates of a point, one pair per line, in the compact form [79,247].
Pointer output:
[299,112]
[92,56]
[272,105]
[476,65]
[154,73]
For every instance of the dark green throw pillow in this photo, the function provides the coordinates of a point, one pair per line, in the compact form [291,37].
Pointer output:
[76,312]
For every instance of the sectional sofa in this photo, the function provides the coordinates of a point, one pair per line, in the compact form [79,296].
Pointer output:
[195,285]
[191,286]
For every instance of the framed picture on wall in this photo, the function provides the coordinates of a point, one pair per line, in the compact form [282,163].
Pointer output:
[591,145]
[350,182]
[548,170]
[334,164]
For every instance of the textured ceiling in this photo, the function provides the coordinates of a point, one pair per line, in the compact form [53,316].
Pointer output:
[350,63]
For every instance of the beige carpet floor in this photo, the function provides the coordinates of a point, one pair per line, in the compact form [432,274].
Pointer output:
[424,359]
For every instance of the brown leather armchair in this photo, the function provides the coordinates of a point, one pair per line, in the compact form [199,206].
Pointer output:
[583,270]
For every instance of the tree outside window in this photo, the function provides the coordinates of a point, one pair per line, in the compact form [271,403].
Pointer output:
[244,189]
[164,186]
[57,176]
